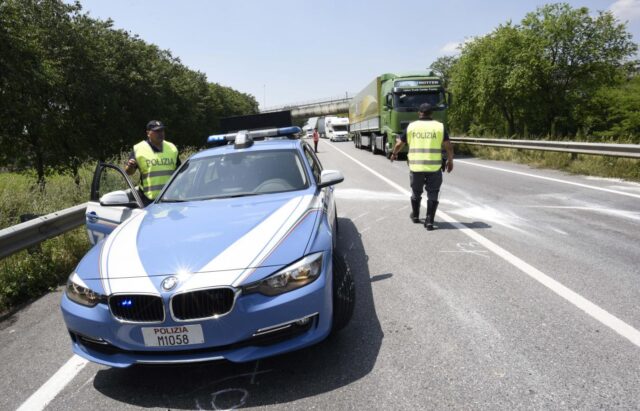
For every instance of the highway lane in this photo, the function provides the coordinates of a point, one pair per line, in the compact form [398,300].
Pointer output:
[441,321]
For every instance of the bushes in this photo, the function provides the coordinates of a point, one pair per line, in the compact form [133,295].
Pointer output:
[29,274]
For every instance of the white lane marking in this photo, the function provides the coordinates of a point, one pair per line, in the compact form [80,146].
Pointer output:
[366,195]
[574,298]
[54,385]
[622,193]
[632,215]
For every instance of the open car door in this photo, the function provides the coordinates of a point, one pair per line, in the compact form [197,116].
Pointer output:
[113,200]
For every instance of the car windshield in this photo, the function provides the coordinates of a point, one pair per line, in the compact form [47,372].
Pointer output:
[411,101]
[239,174]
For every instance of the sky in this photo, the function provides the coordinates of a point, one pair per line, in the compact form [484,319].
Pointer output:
[292,51]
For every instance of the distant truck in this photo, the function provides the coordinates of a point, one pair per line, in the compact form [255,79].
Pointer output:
[337,128]
[321,125]
[310,126]
[381,112]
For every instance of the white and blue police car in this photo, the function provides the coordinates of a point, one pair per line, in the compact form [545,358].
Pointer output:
[236,259]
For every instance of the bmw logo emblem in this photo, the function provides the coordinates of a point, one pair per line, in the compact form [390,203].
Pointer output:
[169,283]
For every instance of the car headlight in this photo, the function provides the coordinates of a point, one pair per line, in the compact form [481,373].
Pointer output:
[79,293]
[292,277]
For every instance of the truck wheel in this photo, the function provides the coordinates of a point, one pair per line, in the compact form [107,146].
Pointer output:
[344,293]
[385,147]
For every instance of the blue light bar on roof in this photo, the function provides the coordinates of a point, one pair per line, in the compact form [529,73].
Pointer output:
[256,134]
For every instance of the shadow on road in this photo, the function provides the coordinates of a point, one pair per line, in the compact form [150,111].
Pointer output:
[336,362]
[474,225]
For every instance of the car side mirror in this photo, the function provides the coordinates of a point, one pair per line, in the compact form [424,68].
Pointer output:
[118,198]
[330,177]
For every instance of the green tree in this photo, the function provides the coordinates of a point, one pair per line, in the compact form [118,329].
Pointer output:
[614,112]
[540,76]
[579,54]
[73,88]
[444,66]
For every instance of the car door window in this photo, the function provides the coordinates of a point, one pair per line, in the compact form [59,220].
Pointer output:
[316,167]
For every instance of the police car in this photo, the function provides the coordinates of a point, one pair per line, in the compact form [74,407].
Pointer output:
[236,259]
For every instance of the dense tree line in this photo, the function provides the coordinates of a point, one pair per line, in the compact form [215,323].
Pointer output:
[561,72]
[73,88]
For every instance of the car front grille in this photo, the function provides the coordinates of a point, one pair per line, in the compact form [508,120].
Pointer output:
[202,303]
[137,308]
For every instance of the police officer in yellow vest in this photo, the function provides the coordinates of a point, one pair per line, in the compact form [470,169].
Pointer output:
[425,138]
[156,159]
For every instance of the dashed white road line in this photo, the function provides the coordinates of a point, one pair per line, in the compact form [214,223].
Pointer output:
[54,385]
[601,315]
[557,180]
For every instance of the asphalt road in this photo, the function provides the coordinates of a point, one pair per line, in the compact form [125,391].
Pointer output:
[527,296]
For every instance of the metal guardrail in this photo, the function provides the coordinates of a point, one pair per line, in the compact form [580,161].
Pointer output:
[600,149]
[33,232]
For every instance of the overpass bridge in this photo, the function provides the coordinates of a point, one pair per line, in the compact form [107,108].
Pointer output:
[316,108]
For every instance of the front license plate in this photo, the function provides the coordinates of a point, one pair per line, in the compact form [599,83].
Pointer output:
[172,336]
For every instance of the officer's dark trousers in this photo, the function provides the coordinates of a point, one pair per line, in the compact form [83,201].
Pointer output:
[430,182]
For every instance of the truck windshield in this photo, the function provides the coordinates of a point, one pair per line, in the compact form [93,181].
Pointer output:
[340,128]
[411,101]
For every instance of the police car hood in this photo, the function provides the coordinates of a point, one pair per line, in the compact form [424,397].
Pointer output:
[225,240]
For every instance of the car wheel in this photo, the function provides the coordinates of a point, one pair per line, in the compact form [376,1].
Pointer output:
[344,293]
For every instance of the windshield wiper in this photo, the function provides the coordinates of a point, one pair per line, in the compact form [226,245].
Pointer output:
[231,196]
[172,200]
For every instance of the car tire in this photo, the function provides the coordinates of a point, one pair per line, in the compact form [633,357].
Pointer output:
[344,293]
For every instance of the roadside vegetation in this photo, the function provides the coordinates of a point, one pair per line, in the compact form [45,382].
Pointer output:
[561,73]
[30,273]
[589,165]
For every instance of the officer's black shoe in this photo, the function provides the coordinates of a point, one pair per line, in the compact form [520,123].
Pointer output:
[432,206]
[415,211]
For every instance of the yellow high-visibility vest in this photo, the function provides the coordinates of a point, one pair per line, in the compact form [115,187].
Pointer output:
[155,167]
[424,138]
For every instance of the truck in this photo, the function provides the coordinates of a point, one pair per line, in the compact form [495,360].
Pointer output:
[381,112]
[310,126]
[321,126]
[337,128]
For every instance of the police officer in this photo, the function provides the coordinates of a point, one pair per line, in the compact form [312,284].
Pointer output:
[156,159]
[425,138]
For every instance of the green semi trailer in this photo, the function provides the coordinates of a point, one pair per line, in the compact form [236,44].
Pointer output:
[381,112]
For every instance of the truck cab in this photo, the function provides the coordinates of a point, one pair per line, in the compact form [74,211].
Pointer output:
[381,112]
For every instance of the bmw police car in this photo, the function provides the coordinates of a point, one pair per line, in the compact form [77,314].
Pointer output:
[236,259]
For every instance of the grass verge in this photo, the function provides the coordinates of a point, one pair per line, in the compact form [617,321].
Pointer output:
[585,164]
